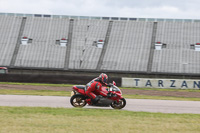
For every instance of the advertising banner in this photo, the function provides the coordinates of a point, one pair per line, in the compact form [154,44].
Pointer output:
[161,83]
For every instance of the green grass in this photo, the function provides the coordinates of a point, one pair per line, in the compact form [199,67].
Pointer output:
[35,92]
[156,89]
[61,120]
[161,97]
[70,85]
[37,84]
[68,93]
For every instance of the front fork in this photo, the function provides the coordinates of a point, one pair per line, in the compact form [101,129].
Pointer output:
[116,97]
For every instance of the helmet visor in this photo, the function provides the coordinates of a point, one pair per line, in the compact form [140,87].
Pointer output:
[105,80]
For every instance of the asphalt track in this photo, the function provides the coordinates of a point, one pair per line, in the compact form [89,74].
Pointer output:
[144,105]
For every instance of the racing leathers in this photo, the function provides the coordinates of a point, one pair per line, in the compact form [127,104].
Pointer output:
[93,88]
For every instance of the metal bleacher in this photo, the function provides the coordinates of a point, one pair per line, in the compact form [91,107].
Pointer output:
[177,57]
[84,55]
[43,51]
[9,30]
[128,47]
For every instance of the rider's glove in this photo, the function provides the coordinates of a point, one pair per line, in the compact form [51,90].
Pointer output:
[109,85]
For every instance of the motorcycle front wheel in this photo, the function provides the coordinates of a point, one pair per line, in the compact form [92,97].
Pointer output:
[119,105]
[78,100]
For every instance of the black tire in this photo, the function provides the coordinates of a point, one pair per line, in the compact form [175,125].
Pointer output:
[120,105]
[78,100]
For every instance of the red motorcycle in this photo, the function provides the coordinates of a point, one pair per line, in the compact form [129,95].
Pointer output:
[80,99]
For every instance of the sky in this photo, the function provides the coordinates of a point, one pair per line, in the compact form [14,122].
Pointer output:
[178,9]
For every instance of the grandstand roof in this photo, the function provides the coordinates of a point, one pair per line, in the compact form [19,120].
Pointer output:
[101,18]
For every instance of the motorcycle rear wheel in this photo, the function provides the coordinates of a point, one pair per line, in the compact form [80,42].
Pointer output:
[118,105]
[78,100]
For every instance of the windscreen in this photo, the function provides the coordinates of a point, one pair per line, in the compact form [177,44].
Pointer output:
[115,88]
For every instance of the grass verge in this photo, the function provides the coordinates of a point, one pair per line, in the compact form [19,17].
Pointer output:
[39,119]
[37,84]
[34,92]
[156,89]
[70,85]
[68,93]
[161,97]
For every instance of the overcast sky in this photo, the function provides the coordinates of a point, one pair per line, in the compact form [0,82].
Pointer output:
[188,9]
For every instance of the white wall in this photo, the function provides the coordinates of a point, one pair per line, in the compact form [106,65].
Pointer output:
[161,83]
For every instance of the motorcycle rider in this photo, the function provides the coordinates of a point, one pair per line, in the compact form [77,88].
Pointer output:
[95,85]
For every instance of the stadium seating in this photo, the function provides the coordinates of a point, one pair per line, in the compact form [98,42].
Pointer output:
[43,51]
[128,44]
[177,57]
[9,30]
[84,55]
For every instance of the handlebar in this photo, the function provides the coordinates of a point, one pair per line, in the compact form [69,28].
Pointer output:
[110,84]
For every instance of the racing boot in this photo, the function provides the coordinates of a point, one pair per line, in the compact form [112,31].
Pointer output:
[95,100]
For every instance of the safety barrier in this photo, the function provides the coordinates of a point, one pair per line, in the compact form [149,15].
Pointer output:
[161,83]
[55,79]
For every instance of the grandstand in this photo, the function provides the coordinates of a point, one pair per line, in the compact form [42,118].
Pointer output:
[43,51]
[128,44]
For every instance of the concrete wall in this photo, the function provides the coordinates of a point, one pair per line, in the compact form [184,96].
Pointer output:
[56,79]
[161,83]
